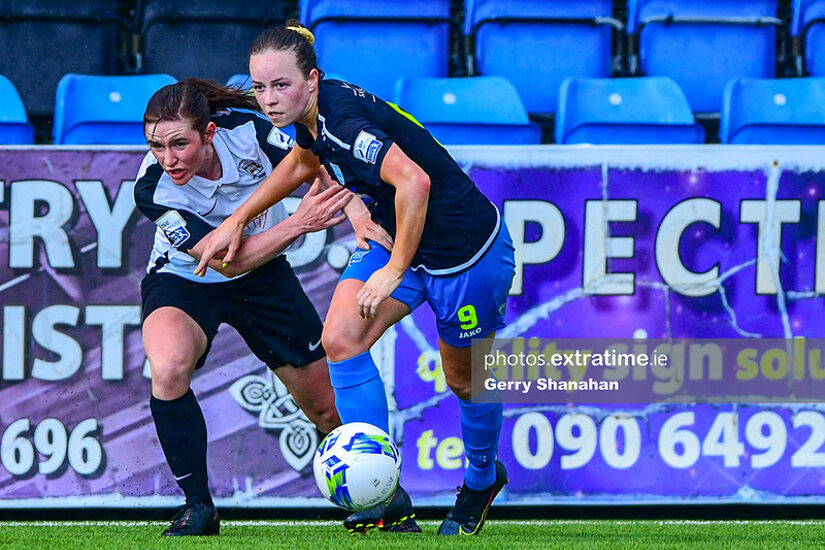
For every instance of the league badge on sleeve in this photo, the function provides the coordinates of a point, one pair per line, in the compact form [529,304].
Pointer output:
[366,147]
[279,139]
[174,227]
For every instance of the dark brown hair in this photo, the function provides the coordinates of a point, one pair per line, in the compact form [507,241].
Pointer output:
[194,100]
[292,37]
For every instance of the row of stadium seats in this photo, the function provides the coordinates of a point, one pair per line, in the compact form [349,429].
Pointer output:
[45,39]
[478,110]
[88,110]
[488,110]
[536,44]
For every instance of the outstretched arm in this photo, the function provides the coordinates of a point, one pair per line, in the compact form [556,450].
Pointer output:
[298,166]
[315,212]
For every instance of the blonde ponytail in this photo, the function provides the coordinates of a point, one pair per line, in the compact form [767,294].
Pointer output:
[303,31]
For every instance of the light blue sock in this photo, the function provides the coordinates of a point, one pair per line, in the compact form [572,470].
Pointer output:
[359,391]
[480,429]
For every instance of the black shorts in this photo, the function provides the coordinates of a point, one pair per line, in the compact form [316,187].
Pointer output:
[268,307]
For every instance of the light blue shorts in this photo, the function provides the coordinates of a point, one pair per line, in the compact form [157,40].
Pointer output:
[468,305]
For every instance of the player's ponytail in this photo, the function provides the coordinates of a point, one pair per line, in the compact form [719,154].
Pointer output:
[295,26]
[291,37]
[194,100]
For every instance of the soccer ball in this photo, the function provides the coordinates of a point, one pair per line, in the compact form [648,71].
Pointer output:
[357,466]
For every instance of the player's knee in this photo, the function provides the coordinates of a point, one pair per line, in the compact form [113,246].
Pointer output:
[460,385]
[320,409]
[325,418]
[340,343]
[170,377]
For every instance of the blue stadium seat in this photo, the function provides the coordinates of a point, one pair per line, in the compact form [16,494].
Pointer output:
[103,109]
[808,24]
[376,42]
[642,110]
[536,44]
[14,126]
[789,111]
[484,110]
[202,38]
[702,44]
[41,40]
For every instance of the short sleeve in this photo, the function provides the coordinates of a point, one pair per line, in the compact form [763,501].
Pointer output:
[367,145]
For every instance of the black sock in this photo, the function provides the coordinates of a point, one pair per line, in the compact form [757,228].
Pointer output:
[182,434]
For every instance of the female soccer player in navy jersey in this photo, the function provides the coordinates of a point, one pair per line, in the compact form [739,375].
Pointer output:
[208,153]
[451,249]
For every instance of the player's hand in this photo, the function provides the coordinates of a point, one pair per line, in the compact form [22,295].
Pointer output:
[381,284]
[365,229]
[317,209]
[228,236]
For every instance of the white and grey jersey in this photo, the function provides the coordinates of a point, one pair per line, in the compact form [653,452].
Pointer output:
[248,147]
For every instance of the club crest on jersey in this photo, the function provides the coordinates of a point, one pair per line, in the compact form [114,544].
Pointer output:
[366,147]
[279,139]
[251,167]
[174,227]
[357,256]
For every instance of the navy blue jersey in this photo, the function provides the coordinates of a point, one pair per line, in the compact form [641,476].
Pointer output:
[355,131]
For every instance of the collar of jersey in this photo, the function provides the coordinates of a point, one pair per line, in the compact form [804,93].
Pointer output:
[229,171]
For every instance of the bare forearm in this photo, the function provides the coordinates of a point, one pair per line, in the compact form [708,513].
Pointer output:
[287,176]
[257,249]
[356,209]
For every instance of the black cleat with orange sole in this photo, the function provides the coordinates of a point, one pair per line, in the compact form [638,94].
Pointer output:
[395,516]
[194,519]
[471,506]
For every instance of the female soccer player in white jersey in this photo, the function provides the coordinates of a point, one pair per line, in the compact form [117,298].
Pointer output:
[452,250]
[208,153]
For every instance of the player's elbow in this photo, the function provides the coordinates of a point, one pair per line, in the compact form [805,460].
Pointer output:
[423,181]
[419,182]
[231,269]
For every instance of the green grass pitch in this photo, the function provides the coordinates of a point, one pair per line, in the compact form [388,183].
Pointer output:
[510,535]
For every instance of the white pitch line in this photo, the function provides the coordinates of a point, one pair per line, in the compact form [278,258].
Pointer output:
[109,523]
[297,523]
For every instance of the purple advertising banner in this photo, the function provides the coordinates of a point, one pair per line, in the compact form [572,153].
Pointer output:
[611,242]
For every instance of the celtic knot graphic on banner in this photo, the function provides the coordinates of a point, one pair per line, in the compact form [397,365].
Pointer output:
[277,411]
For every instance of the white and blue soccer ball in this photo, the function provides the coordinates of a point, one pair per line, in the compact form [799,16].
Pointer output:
[357,466]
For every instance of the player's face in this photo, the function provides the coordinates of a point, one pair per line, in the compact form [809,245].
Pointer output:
[180,149]
[280,88]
